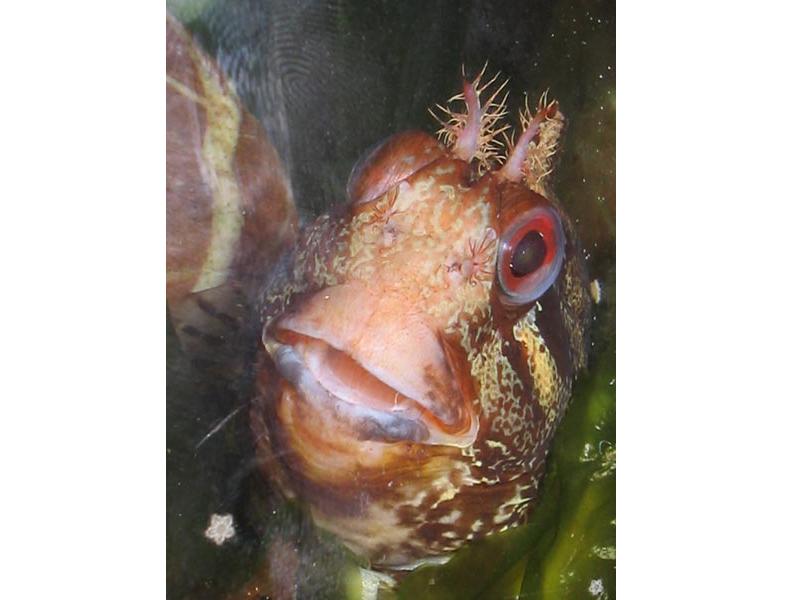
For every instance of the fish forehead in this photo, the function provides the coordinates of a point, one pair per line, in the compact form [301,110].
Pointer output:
[430,242]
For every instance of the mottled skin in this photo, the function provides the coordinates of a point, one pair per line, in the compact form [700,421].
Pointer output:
[402,397]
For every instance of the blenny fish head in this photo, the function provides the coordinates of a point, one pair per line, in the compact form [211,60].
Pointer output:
[421,340]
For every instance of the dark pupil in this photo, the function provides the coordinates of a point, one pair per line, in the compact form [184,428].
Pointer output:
[529,254]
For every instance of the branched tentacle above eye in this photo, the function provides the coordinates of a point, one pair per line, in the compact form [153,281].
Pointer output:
[531,157]
[479,134]
[475,133]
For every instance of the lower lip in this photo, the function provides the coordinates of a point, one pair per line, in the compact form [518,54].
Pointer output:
[368,423]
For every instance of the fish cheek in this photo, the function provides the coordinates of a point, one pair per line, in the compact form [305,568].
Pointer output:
[270,439]
[458,366]
[576,309]
[553,329]
[565,313]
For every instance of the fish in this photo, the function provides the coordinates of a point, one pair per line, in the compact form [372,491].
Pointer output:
[229,204]
[420,341]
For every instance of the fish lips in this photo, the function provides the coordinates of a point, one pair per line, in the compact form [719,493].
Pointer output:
[332,382]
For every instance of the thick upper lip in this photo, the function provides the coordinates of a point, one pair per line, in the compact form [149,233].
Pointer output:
[334,381]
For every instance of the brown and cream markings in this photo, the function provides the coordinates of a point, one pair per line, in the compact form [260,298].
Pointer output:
[420,342]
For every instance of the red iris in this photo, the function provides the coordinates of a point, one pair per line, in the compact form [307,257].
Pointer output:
[530,256]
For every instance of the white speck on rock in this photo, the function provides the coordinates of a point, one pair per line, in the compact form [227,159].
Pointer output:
[220,529]
[596,587]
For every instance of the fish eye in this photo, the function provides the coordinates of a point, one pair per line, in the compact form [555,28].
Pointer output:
[530,255]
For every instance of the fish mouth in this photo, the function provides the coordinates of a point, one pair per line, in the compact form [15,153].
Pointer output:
[333,382]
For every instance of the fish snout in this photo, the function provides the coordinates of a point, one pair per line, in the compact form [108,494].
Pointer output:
[383,365]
